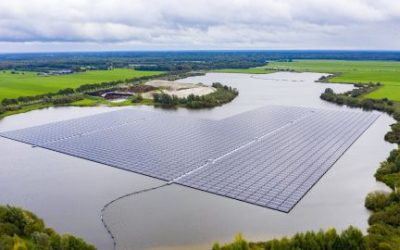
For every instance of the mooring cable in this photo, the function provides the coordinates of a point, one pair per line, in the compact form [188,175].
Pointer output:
[119,198]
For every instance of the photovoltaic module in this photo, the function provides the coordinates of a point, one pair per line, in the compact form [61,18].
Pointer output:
[270,156]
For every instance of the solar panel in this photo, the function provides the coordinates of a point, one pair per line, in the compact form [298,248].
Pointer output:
[269,156]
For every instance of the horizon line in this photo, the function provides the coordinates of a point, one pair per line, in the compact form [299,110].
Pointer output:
[198,50]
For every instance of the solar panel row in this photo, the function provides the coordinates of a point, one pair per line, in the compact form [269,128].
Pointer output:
[47,133]
[270,156]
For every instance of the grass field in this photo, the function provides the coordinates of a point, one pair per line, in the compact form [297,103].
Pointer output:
[29,83]
[388,73]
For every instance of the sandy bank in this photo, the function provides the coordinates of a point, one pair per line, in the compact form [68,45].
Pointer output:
[181,89]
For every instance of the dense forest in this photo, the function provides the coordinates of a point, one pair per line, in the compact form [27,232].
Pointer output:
[23,230]
[175,60]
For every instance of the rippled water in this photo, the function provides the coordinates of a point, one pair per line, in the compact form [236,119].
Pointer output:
[69,192]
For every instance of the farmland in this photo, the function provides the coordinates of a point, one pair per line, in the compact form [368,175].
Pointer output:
[13,85]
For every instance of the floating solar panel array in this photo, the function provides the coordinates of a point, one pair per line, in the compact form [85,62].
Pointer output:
[276,170]
[269,157]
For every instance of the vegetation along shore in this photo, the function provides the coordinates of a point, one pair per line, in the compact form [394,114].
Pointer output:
[22,230]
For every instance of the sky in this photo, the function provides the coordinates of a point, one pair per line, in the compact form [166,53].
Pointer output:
[108,25]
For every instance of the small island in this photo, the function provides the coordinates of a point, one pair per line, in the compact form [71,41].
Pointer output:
[166,94]
[193,96]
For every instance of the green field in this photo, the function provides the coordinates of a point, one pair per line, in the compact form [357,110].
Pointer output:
[387,73]
[29,83]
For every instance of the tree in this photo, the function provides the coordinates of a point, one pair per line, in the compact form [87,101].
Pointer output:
[349,239]
[367,104]
[21,229]
[137,98]
[15,217]
[72,243]
[377,200]
[67,91]
[7,102]
[2,109]
[165,100]
[41,240]
[352,239]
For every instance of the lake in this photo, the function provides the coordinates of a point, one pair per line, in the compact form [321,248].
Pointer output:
[69,192]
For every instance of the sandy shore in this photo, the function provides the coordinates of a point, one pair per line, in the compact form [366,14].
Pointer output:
[181,90]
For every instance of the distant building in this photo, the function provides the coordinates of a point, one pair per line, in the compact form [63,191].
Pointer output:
[56,72]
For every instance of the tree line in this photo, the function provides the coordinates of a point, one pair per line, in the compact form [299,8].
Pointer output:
[175,61]
[164,61]
[349,239]
[23,230]
[352,98]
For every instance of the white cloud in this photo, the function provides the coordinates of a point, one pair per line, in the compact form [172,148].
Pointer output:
[194,24]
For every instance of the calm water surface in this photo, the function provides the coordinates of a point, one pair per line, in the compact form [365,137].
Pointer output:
[69,192]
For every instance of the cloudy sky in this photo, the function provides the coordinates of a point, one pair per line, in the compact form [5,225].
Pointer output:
[88,25]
